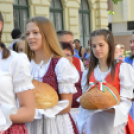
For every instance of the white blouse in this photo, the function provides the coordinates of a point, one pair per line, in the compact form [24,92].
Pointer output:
[106,123]
[15,77]
[66,74]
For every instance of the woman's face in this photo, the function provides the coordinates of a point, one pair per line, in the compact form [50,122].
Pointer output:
[132,44]
[100,47]
[67,53]
[34,37]
[77,44]
[117,52]
[21,47]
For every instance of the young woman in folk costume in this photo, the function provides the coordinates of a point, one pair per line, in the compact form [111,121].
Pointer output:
[49,66]
[103,67]
[15,82]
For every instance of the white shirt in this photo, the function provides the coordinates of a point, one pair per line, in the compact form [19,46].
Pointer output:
[67,76]
[103,122]
[14,78]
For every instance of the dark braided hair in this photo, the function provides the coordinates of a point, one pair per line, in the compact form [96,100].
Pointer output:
[6,52]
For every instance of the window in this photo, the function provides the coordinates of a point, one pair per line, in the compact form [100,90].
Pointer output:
[56,14]
[130,25]
[84,21]
[20,13]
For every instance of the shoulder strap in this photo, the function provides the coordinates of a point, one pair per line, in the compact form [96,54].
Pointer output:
[54,62]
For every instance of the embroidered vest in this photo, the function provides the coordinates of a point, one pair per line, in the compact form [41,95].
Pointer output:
[114,82]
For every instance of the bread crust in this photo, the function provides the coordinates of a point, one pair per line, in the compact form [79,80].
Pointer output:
[96,99]
[45,96]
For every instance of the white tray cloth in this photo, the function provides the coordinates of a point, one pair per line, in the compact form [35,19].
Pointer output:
[51,112]
[121,112]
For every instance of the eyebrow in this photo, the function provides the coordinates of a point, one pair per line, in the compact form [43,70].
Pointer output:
[33,30]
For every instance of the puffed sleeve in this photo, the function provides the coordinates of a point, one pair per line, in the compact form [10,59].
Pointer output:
[84,84]
[67,76]
[21,73]
[126,91]
[126,76]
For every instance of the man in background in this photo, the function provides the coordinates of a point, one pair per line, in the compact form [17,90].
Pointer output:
[16,33]
[67,36]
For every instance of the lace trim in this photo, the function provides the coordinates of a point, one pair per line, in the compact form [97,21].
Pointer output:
[23,87]
[67,88]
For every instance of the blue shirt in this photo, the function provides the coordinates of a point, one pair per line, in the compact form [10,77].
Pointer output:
[76,54]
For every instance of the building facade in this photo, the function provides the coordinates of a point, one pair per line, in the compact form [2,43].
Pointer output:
[78,16]
[122,22]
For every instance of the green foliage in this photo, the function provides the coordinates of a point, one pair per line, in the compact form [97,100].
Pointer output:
[116,1]
[111,12]
[128,53]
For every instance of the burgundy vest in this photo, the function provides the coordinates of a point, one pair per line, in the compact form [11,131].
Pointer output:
[76,104]
[50,76]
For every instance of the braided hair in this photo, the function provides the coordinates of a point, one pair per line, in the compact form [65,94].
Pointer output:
[6,52]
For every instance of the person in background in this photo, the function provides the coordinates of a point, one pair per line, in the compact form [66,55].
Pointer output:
[67,36]
[130,60]
[15,86]
[20,47]
[86,58]
[122,47]
[16,33]
[79,48]
[68,53]
[117,52]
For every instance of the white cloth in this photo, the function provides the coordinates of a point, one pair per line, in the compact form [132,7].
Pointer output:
[51,112]
[101,122]
[74,113]
[67,76]
[82,66]
[14,77]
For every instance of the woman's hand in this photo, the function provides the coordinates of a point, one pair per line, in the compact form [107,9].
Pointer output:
[27,108]
[69,98]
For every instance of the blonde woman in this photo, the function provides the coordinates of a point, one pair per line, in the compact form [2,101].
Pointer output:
[49,66]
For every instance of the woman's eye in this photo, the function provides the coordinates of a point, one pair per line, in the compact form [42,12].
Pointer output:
[27,34]
[35,32]
[93,46]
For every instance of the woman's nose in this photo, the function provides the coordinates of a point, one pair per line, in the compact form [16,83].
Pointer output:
[31,35]
[97,48]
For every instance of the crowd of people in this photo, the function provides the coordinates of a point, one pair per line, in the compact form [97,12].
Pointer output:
[57,59]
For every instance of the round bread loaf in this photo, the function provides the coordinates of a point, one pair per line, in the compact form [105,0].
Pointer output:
[45,96]
[96,99]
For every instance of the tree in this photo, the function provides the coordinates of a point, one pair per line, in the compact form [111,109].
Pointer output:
[116,1]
